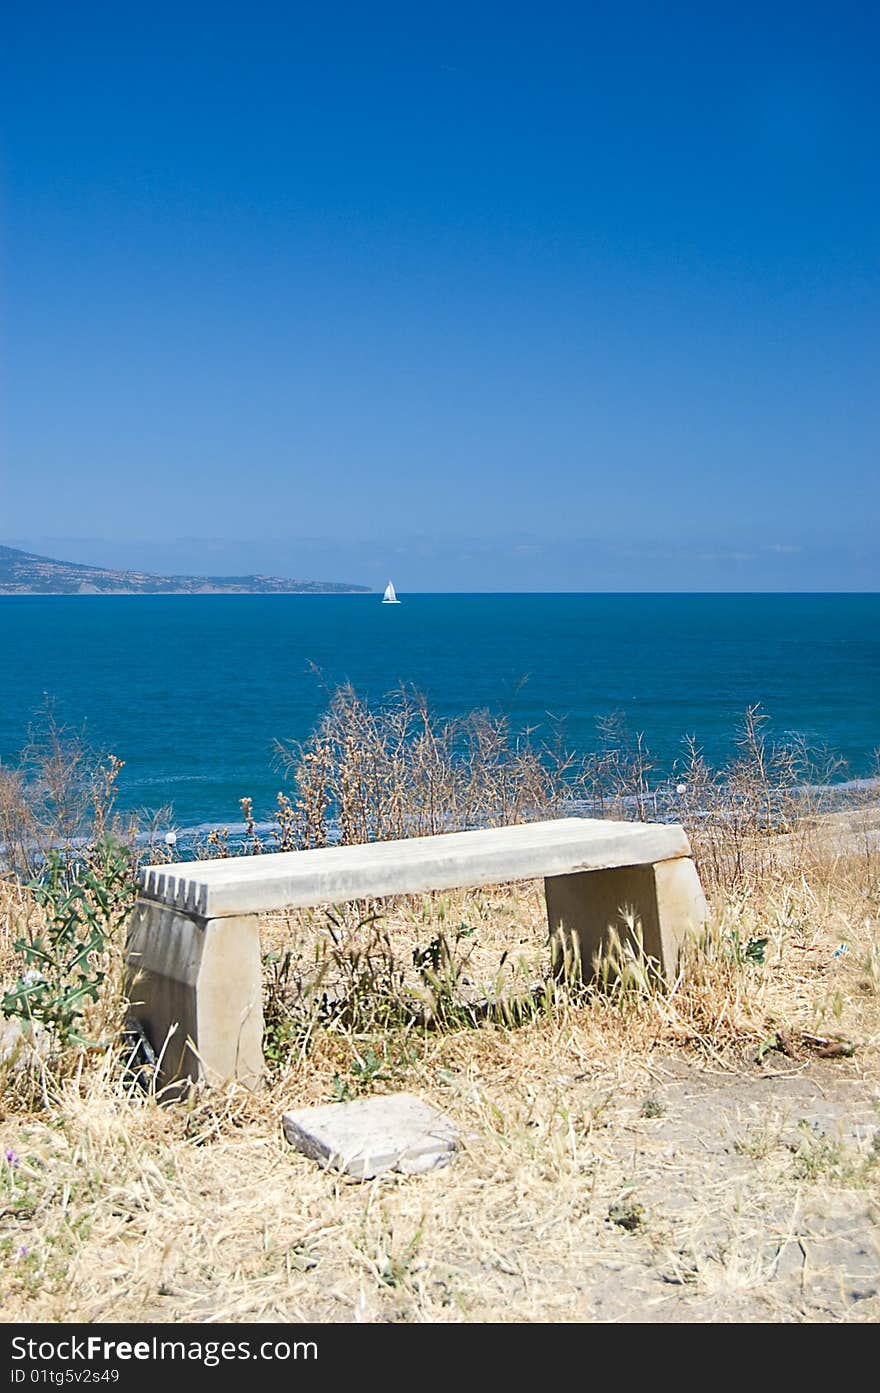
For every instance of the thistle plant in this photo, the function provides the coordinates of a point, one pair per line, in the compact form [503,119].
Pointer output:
[83,905]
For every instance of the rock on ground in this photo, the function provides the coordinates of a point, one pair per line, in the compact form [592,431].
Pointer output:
[371,1135]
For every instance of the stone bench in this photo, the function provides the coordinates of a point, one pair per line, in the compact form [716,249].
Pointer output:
[193,949]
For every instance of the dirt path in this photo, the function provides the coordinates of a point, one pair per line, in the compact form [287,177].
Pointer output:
[752,1198]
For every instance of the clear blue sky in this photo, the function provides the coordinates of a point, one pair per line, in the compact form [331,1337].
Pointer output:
[482,295]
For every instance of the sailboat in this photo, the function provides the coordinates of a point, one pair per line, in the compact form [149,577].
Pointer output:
[389,598]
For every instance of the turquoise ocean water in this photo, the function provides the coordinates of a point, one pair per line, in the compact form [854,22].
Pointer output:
[191,691]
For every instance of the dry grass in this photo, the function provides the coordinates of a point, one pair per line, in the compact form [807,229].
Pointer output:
[709,1153]
[625,1156]
[61,794]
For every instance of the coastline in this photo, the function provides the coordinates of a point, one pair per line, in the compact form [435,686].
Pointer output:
[174,594]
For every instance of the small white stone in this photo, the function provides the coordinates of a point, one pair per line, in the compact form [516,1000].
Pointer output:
[21,1042]
[371,1135]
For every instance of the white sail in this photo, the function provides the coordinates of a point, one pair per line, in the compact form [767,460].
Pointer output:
[389,598]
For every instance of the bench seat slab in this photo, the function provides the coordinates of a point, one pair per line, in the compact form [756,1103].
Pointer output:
[451,860]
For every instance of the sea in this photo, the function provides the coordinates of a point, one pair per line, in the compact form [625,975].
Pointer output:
[192,692]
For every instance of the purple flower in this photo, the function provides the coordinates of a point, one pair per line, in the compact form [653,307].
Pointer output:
[11,1156]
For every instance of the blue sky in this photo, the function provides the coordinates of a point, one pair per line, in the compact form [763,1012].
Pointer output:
[558,296]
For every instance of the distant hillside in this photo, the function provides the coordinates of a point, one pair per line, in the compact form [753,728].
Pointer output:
[21,573]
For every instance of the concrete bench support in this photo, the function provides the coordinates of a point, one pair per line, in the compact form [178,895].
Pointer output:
[194,949]
[665,899]
[195,987]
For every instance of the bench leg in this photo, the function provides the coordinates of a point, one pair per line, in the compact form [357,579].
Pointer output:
[203,977]
[666,899]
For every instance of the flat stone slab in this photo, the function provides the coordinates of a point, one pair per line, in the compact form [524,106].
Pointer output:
[235,885]
[371,1135]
